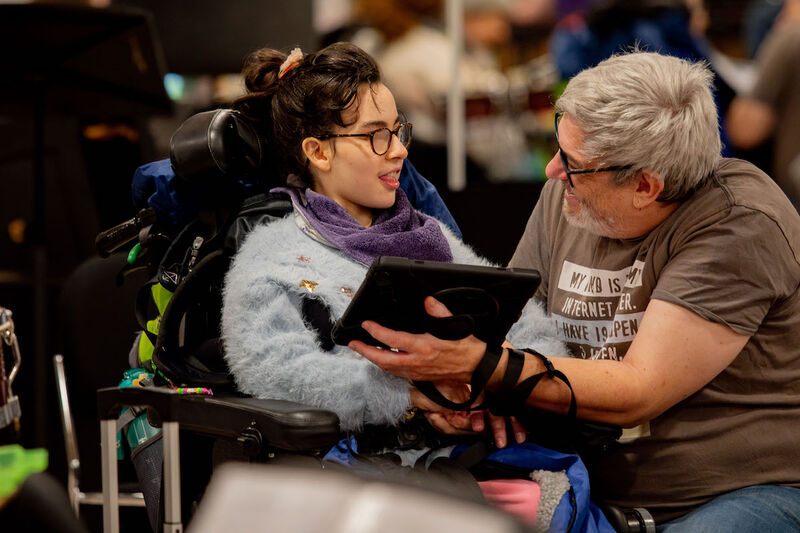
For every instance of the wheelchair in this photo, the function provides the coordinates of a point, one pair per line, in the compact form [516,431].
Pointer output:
[199,431]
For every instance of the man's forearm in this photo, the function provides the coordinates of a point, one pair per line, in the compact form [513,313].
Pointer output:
[674,354]
[604,390]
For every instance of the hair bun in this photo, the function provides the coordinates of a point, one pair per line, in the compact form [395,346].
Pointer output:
[260,71]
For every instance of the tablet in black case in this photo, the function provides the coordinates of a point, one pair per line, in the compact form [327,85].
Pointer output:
[485,301]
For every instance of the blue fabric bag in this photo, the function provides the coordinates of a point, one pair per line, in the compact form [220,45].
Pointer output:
[345,453]
[155,185]
[588,516]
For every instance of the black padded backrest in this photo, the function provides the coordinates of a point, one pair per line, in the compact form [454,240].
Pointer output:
[216,144]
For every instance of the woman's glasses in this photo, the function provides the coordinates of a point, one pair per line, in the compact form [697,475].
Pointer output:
[570,171]
[380,139]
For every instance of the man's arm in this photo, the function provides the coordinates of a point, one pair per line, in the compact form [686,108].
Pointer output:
[674,354]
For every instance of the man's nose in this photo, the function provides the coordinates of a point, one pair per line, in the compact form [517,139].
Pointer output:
[555,168]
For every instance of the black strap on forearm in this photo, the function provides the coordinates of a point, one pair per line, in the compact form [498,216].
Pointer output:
[499,401]
[516,360]
[510,397]
[520,394]
[480,377]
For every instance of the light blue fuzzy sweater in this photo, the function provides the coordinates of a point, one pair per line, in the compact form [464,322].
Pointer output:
[272,354]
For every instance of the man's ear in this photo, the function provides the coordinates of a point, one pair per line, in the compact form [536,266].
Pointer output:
[648,188]
[318,153]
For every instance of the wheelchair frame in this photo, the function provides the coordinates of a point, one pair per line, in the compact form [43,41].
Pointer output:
[258,425]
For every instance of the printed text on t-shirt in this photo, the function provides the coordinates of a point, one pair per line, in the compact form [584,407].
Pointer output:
[598,316]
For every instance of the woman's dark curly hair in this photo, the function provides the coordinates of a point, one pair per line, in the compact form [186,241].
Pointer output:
[306,102]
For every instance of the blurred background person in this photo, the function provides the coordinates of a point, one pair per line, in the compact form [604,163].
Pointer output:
[771,110]
[603,28]
[408,40]
[757,20]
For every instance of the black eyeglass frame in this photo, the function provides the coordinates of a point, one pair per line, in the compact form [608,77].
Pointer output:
[569,171]
[372,134]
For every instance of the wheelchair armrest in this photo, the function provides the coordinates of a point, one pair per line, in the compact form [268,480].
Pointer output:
[282,424]
[278,424]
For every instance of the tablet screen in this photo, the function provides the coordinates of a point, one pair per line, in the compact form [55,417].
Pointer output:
[485,301]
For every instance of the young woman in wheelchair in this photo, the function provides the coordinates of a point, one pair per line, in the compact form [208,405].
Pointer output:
[340,141]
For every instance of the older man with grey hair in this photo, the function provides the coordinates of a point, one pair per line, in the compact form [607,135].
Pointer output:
[673,275]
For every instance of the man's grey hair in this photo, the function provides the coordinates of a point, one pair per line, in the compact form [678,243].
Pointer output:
[651,111]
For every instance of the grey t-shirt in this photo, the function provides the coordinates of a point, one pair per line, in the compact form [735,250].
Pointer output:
[731,254]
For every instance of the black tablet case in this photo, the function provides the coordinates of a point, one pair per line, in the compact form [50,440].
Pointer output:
[485,301]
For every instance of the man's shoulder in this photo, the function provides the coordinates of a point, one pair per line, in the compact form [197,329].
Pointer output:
[737,183]
[738,194]
[744,185]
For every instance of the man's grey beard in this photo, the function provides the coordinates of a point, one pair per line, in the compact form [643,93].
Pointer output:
[588,219]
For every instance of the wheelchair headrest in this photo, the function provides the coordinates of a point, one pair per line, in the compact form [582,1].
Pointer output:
[214,144]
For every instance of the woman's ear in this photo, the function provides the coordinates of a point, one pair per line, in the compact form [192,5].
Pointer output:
[318,153]
[649,186]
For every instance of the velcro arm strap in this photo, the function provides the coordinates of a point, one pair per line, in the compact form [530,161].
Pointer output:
[524,389]
[480,377]
[498,401]
[516,360]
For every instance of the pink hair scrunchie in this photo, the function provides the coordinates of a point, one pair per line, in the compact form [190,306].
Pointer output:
[292,61]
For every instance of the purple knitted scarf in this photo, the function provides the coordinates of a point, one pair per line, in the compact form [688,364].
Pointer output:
[399,231]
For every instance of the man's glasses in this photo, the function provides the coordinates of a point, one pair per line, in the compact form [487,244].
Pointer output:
[569,171]
[380,139]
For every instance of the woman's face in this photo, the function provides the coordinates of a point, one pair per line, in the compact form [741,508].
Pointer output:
[353,175]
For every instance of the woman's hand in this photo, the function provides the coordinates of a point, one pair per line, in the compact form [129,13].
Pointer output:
[464,422]
[422,356]
[452,390]
[453,423]
[498,427]
[449,364]
[442,418]
[472,422]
